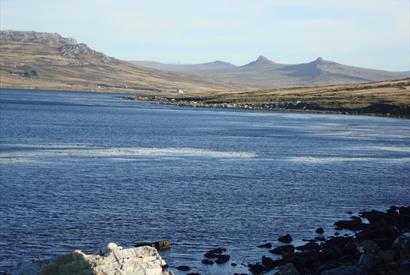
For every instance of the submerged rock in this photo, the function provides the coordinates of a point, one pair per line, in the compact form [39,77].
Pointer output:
[284,250]
[223,259]
[143,260]
[215,253]
[207,262]
[285,239]
[160,245]
[183,268]
[320,230]
[265,245]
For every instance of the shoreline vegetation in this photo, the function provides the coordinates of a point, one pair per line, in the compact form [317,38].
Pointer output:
[387,98]
[373,242]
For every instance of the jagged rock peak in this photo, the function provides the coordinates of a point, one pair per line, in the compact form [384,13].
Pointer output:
[53,39]
[262,58]
[320,60]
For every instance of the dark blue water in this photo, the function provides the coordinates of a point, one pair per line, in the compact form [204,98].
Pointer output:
[79,170]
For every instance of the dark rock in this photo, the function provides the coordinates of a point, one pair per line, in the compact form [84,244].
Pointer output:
[384,236]
[194,273]
[234,264]
[350,248]
[270,264]
[356,218]
[327,266]
[337,247]
[405,268]
[214,253]
[320,238]
[218,250]
[369,261]
[305,262]
[207,262]
[285,239]
[287,269]
[337,242]
[320,230]
[368,246]
[390,255]
[183,268]
[350,225]
[343,270]
[373,216]
[404,210]
[403,241]
[222,259]
[265,245]
[346,259]
[160,245]
[283,250]
[330,254]
[256,268]
[308,246]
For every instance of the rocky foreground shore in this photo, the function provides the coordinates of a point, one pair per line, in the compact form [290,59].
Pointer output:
[378,244]
[115,260]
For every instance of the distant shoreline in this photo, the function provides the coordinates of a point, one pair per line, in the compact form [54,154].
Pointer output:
[195,102]
[183,103]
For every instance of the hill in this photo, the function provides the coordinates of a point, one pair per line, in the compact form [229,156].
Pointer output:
[387,98]
[189,68]
[50,61]
[266,73]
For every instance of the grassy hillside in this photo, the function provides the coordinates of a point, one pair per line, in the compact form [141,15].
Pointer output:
[49,61]
[383,98]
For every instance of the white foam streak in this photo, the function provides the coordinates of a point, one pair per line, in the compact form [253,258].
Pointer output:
[326,160]
[120,153]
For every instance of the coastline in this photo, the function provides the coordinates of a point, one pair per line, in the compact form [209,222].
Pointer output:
[196,104]
[383,99]
[373,242]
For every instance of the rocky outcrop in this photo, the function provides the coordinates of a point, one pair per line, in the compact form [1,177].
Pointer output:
[75,53]
[77,50]
[52,39]
[380,245]
[143,260]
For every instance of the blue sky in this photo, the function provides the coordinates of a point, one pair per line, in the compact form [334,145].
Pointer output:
[367,33]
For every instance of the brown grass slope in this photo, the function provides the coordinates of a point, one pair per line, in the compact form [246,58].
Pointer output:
[383,98]
[49,61]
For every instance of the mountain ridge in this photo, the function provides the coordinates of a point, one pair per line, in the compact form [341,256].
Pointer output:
[50,61]
[267,73]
